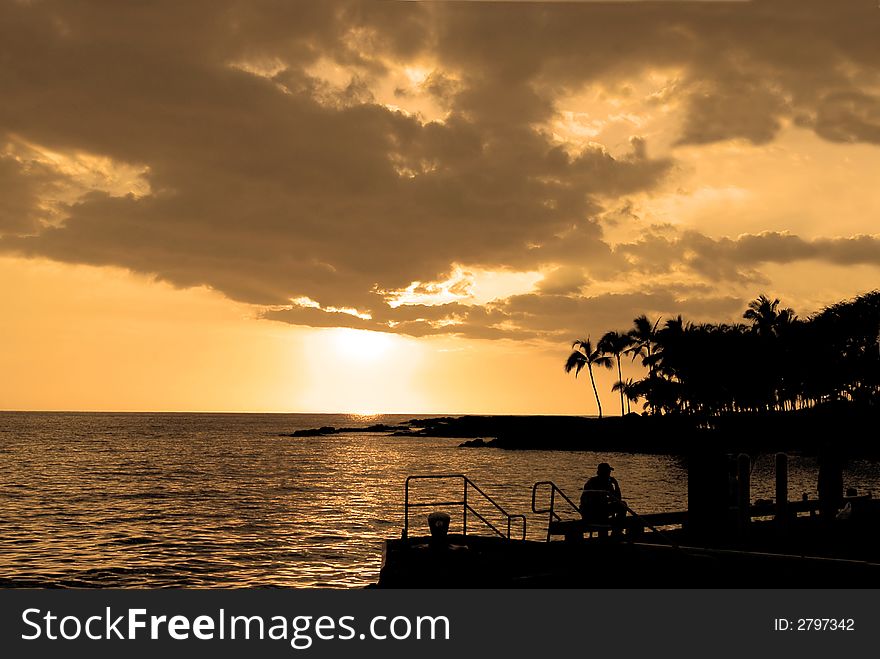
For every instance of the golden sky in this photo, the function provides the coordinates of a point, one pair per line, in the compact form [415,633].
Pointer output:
[413,207]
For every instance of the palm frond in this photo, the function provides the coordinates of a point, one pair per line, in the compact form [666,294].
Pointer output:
[602,361]
[583,344]
[576,362]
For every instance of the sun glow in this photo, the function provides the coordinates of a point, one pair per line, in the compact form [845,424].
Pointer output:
[361,345]
[417,74]
[360,371]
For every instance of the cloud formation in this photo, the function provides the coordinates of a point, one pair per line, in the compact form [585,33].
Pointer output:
[21,187]
[732,259]
[276,159]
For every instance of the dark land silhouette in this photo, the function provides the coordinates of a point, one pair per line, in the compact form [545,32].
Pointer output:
[802,431]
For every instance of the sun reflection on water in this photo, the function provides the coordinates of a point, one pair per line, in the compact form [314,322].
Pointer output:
[117,500]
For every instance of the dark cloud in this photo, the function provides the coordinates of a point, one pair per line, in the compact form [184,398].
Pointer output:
[560,317]
[269,192]
[563,281]
[268,183]
[735,259]
[23,186]
[743,66]
[737,107]
[849,117]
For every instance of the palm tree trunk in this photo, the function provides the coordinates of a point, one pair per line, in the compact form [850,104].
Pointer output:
[595,391]
[620,379]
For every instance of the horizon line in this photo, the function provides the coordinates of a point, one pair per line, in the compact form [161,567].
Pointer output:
[363,414]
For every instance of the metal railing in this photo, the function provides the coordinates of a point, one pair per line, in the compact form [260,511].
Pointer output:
[467,486]
[554,516]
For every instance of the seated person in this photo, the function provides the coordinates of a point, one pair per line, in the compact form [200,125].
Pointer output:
[601,501]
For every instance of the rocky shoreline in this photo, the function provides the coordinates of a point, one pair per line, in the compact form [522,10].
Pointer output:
[332,430]
[802,431]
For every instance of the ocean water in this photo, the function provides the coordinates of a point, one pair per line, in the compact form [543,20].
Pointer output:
[224,500]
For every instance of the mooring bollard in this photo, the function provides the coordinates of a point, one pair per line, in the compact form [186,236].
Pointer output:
[438,522]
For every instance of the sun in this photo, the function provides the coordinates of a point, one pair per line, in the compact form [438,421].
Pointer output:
[361,345]
[361,372]
[417,74]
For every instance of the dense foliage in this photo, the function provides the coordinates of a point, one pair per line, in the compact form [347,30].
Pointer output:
[773,362]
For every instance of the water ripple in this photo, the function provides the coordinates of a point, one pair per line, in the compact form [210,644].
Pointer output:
[184,500]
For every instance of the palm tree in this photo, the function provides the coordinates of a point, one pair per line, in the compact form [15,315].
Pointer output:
[644,336]
[628,389]
[707,369]
[584,355]
[666,365]
[763,313]
[615,343]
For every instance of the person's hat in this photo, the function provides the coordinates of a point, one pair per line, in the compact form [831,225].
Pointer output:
[604,466]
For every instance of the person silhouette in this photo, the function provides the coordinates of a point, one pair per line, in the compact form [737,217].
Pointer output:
[601,501]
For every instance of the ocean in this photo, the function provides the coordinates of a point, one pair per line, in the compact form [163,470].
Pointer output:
[226,501]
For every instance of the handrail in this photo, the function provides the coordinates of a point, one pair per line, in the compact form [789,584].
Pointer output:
[554,516]
[552,509]
[467,482]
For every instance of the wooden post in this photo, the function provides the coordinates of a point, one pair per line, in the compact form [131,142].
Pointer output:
[781,491]
[744,490]
[464,510]
[709,500]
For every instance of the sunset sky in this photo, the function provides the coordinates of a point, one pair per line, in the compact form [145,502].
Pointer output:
[413,207]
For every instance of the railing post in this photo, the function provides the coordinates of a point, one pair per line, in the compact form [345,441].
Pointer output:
[405,508]
[464,508]
[467,484]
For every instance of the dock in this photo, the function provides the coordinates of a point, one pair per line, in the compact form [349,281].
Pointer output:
[775,544]
[493,562]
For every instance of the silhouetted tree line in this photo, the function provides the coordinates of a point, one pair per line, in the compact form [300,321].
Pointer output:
[774,362]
